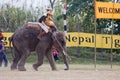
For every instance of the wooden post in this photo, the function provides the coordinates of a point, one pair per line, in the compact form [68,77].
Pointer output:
[95,36]
[64,14]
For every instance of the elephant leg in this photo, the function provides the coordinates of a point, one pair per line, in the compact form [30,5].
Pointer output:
[22,61]
[66,66]
[40,60]
[15,60]
[51,60]
[63,51]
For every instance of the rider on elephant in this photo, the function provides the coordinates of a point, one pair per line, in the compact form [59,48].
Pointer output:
[47,23]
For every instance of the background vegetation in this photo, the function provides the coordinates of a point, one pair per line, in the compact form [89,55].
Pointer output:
[80,17]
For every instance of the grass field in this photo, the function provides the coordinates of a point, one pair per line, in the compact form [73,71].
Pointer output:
[76,72]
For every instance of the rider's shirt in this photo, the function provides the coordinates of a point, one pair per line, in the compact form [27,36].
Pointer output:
[49,22]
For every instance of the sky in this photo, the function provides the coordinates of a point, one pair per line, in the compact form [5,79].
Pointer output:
[28,3]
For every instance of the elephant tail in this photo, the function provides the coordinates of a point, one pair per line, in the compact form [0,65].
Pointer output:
[10,42]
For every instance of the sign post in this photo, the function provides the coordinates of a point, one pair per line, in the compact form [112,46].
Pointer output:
[64,13]
[108,11]
[95,36]
[111,55]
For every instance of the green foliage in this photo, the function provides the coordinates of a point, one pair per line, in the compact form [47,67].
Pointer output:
[11,17]
[84,56]
[81,11]
[104,0]
[58,16]
[84,10]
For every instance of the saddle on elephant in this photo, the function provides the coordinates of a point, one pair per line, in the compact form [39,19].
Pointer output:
[40,26]
[33,25]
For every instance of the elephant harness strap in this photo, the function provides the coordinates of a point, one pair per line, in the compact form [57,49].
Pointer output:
[39,26]
[45,30]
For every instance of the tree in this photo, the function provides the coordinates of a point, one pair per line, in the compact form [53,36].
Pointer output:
[82,11]
[52,3]
[11,17]
[85,14]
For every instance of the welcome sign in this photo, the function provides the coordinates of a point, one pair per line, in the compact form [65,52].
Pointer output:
[107,10]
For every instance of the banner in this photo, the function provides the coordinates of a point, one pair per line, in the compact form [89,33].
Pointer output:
[7,35]
[107,10]
[88,40]
[76,39]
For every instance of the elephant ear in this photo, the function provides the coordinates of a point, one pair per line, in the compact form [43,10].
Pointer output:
[55,35]
[59,36]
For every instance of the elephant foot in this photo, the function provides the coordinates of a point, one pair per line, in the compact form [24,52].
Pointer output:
[21,69]
[35,67]
[66,67]
[54,70]
[13,67]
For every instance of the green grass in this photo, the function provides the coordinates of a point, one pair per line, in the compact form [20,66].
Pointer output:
[75,59]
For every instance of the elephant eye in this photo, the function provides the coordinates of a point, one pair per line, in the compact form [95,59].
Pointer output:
[63,42]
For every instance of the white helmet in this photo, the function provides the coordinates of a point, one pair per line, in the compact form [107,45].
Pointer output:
[49,9]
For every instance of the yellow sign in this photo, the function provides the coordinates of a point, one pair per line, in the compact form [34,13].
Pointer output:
[107,10]
[75,39]
[6,38]
[88,40]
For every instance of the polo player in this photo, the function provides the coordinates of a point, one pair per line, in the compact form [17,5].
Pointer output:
[46,23]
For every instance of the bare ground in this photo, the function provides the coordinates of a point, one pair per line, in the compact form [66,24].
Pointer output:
[76,72]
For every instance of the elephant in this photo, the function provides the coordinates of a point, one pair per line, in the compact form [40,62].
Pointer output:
[25,41]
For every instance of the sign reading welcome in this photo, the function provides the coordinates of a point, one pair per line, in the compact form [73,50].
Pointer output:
[107,10]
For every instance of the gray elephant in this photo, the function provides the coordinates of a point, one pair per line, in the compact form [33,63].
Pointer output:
[24,41]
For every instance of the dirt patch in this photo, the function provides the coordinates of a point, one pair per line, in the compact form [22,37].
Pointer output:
[76,72]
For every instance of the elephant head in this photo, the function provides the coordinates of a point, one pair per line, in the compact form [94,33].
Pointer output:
[59,42]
